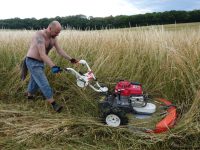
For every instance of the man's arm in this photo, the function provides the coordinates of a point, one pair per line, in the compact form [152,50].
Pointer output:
[40,43]
[61,51]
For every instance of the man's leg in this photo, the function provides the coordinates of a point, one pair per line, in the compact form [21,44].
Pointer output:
[41,80]
[37,73]
[32,88]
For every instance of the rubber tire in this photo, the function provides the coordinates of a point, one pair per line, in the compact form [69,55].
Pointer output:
[118,112]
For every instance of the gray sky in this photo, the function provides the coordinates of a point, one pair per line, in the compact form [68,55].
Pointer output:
[96,8]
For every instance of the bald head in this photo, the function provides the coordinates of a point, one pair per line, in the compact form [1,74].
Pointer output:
[55,24]
[54,28]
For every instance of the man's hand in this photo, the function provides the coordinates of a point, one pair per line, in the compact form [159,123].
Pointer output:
[56,69]
[73,61]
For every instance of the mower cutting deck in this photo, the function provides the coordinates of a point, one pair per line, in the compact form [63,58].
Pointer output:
[127,98]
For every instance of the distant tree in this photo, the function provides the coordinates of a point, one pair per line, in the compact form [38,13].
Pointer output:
[121,21]
[194,16]
[81,22]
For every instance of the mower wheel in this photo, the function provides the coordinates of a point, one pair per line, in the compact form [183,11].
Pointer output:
[115,117]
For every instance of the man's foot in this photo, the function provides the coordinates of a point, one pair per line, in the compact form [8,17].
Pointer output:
[57,107]
[29,96]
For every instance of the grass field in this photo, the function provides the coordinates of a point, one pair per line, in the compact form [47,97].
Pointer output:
[165,59]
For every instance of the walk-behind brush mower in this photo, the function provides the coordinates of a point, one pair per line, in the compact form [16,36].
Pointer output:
[127,98]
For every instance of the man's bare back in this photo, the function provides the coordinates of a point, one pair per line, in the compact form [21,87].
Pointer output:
[40,38]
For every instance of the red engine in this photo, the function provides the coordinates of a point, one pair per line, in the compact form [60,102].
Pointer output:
[126,88]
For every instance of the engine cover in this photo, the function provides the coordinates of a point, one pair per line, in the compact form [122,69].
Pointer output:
[126,88]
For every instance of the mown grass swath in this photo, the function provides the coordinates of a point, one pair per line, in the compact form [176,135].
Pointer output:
[165,60]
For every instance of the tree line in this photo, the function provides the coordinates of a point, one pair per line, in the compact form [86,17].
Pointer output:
[82,22]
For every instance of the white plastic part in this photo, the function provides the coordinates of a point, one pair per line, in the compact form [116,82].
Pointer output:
[81,84]
[98,88]
[113,120]
[103,89]
[83,62]
[83,80]
[139,116]
[148,109]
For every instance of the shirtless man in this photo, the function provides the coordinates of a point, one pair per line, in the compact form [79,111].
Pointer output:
[37,55]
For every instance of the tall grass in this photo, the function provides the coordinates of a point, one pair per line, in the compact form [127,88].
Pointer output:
[166,62]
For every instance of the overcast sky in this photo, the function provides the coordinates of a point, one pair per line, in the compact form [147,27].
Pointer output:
[96,8]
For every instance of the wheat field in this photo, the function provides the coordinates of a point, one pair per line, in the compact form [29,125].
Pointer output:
[165,59]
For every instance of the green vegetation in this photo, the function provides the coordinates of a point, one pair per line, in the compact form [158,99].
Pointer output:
[165,60]
[82,22]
